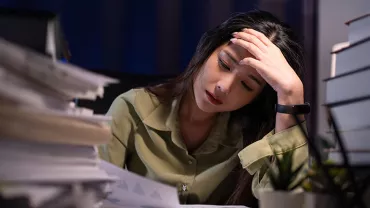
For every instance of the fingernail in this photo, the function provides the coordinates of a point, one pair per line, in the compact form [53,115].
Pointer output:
[235,33]
[245,29]
[233,40]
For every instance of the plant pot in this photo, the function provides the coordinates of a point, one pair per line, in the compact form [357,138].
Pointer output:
[317,200]
[281,199]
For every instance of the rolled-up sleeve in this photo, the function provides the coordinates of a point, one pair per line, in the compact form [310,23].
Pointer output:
[253,156]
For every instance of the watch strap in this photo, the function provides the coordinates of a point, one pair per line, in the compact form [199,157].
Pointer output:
[293,109]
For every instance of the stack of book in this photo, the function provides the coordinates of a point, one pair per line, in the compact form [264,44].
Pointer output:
[348,92]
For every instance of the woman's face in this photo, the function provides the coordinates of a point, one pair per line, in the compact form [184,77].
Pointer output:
[222,84]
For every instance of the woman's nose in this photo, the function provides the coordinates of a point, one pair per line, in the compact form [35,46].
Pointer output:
[225,84]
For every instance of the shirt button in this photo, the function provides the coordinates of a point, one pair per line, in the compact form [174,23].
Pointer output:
[184,187]
[190,162]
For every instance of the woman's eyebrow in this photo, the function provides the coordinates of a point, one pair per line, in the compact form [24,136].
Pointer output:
[255,79]
[237,63]
[231,57]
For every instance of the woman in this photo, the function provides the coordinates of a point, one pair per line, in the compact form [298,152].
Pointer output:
[194,130]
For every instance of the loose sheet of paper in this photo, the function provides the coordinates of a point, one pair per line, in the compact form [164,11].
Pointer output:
[132,190]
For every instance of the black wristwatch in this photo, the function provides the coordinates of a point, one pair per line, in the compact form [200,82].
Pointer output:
[293,109]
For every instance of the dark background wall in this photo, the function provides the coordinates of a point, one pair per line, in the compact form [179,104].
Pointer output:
[145,37]
[141,42]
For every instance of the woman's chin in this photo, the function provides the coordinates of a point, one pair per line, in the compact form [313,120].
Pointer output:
[207,107]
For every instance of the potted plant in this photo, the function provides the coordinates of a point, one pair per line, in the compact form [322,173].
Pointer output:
[286,183]
[318,192]
[328,184]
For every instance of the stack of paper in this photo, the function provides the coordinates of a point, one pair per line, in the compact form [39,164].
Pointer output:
[48,145]
[44,82]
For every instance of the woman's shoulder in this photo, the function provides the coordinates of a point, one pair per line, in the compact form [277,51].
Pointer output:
[136,101]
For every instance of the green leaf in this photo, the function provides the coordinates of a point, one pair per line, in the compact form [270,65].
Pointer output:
[283,176]
[297,170]
[299,183]
[273,179]
[306,185]
[277,161]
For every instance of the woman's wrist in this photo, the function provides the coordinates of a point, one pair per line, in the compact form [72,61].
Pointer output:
[293,97]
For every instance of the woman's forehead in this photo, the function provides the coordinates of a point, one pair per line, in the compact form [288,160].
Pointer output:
[236,51]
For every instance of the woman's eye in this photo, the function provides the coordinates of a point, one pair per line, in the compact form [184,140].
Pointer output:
[246,86]
[223,65]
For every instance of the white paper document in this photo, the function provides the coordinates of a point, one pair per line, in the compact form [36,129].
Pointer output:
[131,190]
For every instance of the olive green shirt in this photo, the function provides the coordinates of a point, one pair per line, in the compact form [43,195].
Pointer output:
[146,140]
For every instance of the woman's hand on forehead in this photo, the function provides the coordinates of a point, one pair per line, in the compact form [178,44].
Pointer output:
[268,61]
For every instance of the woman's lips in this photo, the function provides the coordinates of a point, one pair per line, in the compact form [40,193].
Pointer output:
[213,99]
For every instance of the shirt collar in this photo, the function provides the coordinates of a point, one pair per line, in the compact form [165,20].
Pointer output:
[222,133]
[165,118]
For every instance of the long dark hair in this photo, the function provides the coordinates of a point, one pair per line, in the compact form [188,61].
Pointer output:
[258,117]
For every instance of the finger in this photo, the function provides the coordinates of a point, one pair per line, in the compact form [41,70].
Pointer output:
[259,35]
[253,49]
[260,67]
[252,62]
[251,38]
